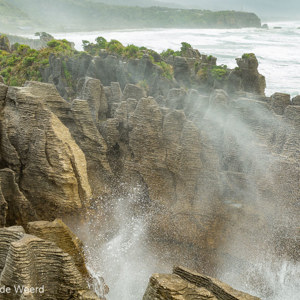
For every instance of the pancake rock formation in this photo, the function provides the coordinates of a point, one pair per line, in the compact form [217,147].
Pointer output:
[188,285]
[36,268]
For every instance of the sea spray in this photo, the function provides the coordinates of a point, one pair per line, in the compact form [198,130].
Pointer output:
[119,253]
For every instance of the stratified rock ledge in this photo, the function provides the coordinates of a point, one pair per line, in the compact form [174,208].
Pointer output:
[184,284]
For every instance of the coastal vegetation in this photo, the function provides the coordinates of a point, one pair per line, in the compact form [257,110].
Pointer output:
[19,62]
[23,63]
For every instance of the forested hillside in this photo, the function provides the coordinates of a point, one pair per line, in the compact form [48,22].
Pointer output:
[80,15]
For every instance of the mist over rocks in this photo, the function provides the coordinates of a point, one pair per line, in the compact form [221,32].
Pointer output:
[191,70]
[214,160]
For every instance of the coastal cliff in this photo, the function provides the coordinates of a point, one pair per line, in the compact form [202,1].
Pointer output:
[213,158]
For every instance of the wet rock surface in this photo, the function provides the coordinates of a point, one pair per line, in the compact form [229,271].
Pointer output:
[27,261]
[185,284]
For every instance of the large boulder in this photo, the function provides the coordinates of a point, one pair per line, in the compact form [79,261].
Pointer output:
[185,284]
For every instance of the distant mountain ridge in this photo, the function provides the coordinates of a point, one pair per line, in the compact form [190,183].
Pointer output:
[12,16]
[87,15]
[143,3]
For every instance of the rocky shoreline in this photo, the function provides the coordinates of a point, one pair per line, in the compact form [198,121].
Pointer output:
[194,143]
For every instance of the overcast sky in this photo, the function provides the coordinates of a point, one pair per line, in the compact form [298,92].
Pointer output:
[264,8]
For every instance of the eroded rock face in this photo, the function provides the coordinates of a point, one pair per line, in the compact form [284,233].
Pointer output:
[91,89]
[296,100]
[29,261]
[82,122]
[16,209]
[49,167]
[185,284]
[197,166]
[246,77]
[279,102]
[107,68]
[59,233]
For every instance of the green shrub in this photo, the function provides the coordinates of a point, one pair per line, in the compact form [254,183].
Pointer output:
[13,60]
[28,61]
[131,51]
[53,44]
[14,81]
[167,70]
[169,52]
[219,72]
[115,46]
[101,42]
[24,63]
[45,62]
[184,47]
[248,55]
[22,49]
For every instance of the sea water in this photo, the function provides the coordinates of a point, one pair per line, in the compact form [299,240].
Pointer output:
[278,50]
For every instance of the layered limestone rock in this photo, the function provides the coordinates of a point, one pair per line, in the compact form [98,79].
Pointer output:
[279,102]
[185,284]
[27,261]
[107,68]
[246,77]
[78,117]
[160,149]
[60,234]
[15,208]
[49,167]
[114,96]
[199,169]
[296,100]
[91,89]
